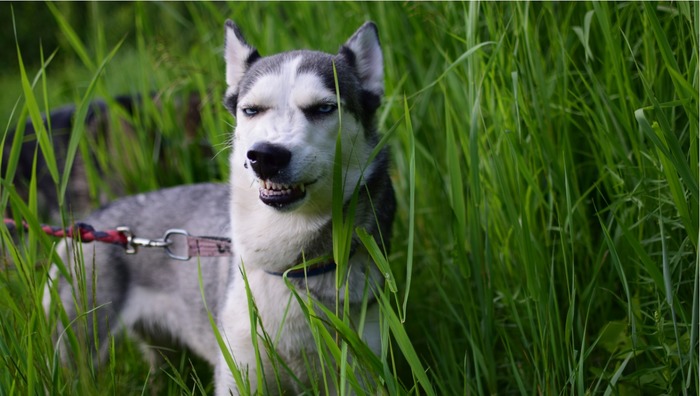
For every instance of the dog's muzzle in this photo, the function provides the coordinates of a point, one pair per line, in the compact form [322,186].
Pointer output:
[269,161]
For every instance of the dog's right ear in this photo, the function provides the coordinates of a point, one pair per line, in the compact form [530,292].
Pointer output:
[238,54]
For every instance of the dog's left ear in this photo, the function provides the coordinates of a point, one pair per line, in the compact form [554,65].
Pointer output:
[365,53]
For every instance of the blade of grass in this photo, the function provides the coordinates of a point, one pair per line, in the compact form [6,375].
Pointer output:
[404,343]
[619,268]
[42,135]
[72,37]
[79,124]
[411,208]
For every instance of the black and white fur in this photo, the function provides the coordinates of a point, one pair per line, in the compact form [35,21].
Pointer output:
[277,210]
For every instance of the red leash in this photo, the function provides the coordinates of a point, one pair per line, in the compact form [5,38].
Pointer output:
[197,246]
[86,232]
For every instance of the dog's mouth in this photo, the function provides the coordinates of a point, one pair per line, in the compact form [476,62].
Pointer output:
[280,195]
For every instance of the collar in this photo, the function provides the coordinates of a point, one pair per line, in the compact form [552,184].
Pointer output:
[314,267]
[308,269]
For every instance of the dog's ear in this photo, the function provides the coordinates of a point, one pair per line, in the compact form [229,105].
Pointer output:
[239,55]
[364,52]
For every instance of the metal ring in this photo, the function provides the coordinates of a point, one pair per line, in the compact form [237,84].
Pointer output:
[166,236]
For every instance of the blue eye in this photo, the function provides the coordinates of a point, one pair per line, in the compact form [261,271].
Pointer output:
[250,111]
[325,108]
[320,110]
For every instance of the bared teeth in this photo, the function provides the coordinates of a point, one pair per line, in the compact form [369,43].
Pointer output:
[279,195]
[272,188]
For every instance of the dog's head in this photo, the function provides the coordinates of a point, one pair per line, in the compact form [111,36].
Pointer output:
[288,118]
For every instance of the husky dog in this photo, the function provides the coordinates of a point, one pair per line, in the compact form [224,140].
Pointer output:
[290,109]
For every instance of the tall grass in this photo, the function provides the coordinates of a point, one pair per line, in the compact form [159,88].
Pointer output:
[545,157]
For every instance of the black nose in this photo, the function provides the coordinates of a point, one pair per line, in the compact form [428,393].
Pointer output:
[267,160]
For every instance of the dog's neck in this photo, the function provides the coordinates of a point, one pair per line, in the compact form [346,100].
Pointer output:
[296,238]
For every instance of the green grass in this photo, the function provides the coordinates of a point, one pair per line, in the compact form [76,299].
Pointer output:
[545,157]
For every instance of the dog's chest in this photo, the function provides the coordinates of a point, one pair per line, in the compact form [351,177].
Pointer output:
[275,312]
[271,241]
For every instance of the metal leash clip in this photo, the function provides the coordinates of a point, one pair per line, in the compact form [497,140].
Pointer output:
[133,242]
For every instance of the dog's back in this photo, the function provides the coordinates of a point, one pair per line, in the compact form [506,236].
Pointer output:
[148,292]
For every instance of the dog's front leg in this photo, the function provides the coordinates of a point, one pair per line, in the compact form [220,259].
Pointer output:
[225,382]
[235,328]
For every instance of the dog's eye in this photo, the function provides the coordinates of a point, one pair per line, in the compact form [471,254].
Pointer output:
[251,111]
[325,108]
[320,110]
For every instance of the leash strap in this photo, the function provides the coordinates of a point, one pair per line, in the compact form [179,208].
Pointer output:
[208,246]
[197,246]
[85,232]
